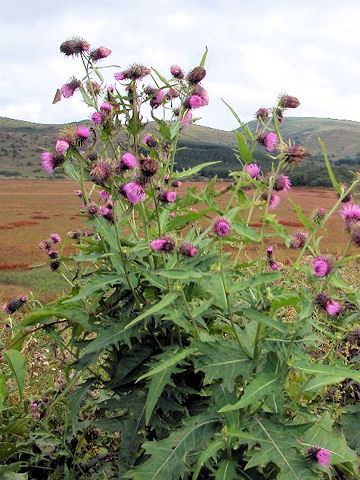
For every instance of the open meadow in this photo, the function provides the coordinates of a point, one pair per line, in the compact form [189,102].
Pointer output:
[32,209]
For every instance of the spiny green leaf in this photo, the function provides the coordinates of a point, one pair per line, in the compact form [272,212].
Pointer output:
[227,471]
[17,365]
[210,452]
[97,283]
[244,150]
[170,457]
[222,360]
[44,315]
[203,58]
[158,307]
[328,166]
[192,171]
[171,358]
[307,223]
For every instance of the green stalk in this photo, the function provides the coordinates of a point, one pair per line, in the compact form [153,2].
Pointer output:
[227,299]
[188,308]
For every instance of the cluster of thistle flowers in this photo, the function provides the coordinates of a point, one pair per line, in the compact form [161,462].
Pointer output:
[293,154]
[167,244]
[324,265]
[46,246]
[185,87]
[14,304]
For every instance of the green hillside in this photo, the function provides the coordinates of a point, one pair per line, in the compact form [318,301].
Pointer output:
[21,143]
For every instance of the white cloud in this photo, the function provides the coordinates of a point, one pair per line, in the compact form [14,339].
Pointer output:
[256,51]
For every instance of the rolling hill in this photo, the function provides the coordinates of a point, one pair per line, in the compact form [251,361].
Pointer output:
[21,143]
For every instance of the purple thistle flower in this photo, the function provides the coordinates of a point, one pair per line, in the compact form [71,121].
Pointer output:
[262,113]
[133,192]
[78,193]
[157,99]
[167,196]
[68,89]
[269,251]
[274,200]
[322,266]
[99,53]
[188,249]
[74,46]
[282,183]
[325,302]
[299,239]
[186,119]
[119,76]
[320,455]
[96,118]
[128,162]
[195,101]
[55,237]
[61,146]
[273,265]
[104,195]
[176,72]
[351,215]
[165,244]
[318,216]
[149,140]
[287,101]
[14,304]
[83,132]
[202,93]
[107,214]
[101,171]
[271,141]
[222,226]
[45,245]
[47,162]
[253,170]
[176,183]
[106,107]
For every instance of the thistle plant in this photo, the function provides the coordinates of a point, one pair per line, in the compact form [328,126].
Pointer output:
[208,363]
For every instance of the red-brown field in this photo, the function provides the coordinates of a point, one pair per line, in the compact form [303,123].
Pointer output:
[32,209]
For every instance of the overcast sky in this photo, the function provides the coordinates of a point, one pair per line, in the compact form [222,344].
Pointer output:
[257,50]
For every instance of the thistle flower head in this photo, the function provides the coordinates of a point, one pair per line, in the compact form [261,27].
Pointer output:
[320,455]
[99,53]
[74,46]
[287,101]
[106,107]
[188,249]
[318,216]
[325,302]
[273,265]
[253,170]
[14,304]
[274,200]
[127,162]
[351,215]
[55,238]
[194,101]
[172,93]
[322,266]
[61,146]
[271,141]
[83,132]
[177,72]
[262,113]
[165,244]
[96,118]
[119,76]
[221,226]
[101,171]
[150,141]
[294,153]
[157,99]
[107,213]
[282,183]
[136,72]
[200,91]
[149,166]
[133,191]
[299,239]
[167,196]
[68,89]
[176,183]
[196,75]
[186,119]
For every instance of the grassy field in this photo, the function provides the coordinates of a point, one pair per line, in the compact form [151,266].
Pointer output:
[33,209]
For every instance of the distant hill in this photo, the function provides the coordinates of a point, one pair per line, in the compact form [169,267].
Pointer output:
[342,137]
[21,143]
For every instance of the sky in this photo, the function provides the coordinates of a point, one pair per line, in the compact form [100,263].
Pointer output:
[257,50]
